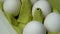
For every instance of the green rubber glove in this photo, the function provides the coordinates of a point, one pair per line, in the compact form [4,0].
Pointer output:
[1,4]
[38,16]
[53,32]
[55,4]
[25,11]
[55,10]
[12,21]
[25,14]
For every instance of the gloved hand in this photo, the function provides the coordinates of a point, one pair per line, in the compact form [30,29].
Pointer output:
[24,17]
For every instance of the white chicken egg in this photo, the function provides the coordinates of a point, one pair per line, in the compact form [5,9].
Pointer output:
[34,27]
[52,22]
[43,5]
[12,7]
[34,1]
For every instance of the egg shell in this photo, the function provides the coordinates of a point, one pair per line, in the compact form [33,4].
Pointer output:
[12,7]
[34,1]
[52,22]
[34,27]
[43,5]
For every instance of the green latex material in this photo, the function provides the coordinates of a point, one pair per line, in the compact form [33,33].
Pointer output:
[21,27]
[55,10]
[55,4]
[53,32]
[16,25]
[38,16]
[12,21]
[25,14]
[1,4]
